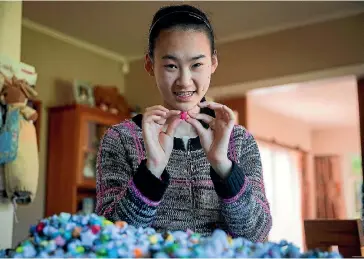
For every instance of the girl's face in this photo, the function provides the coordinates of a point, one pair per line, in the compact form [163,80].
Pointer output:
[182,66]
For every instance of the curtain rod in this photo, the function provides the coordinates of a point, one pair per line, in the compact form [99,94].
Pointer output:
[274,142]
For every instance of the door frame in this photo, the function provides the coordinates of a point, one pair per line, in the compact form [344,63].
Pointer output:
[360,87]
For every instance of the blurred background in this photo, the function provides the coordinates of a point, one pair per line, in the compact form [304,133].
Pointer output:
[290,70]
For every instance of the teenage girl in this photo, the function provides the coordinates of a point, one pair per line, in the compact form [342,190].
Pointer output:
[183,164]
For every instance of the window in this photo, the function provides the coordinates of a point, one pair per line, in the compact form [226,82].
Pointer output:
[281,175]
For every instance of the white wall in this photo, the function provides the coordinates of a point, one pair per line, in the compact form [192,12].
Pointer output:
[10,40]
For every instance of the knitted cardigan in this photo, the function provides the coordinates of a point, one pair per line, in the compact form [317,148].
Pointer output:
[189,194]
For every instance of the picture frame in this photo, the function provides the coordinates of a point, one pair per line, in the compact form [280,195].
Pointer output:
[83,93]
[88,205]
[89,169]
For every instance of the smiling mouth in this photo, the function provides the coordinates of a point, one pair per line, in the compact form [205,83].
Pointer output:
[184,94]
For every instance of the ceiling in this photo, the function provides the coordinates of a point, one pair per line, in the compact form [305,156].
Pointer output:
[323,104]
[122,26]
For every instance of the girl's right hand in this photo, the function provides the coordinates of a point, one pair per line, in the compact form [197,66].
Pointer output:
[159,144]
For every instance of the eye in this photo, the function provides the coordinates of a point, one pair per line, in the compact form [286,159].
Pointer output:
[170,66]
[196,65]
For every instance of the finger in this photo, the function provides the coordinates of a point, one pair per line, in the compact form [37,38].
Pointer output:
[155,118]
[171,130]
[155,112]
[197,125]
[217,107]
[162,113]
[202,116]
[211,105]
[203,104]
[157,107]
[220,113]
[173,113]
[230,115]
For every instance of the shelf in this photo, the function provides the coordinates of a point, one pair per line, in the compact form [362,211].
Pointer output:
[85,193]
[97,115]
[88,184]
[75,132]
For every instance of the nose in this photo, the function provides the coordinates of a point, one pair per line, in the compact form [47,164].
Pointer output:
[185,78]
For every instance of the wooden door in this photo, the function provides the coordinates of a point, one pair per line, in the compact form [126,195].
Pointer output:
[360,83]
[239,105]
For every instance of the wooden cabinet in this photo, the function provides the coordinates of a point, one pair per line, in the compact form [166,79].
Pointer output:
[73,139]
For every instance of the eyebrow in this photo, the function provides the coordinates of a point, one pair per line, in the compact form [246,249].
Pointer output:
[175,58]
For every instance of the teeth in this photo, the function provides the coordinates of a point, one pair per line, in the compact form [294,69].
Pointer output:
[184,93]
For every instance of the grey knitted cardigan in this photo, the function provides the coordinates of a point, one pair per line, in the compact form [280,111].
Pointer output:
[189,194]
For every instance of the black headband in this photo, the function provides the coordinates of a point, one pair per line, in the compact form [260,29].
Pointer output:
[197,16]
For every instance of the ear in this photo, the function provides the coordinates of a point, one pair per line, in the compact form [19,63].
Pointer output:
[148,65]
[214,62]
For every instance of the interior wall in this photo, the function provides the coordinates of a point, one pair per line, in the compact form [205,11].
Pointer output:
[10,40]
[271,125]
[55,60]
[140,87]
[300,50]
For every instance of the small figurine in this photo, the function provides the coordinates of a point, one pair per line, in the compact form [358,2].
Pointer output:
[108,99]
[16,94]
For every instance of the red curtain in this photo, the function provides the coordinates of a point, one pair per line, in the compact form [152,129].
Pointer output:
[330,202]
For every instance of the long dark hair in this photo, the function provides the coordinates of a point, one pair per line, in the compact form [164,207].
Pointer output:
[179,16]
[207,111]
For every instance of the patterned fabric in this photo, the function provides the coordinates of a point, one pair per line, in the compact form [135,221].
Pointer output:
[2,173]
[9,134]
[18,156]
[189,194]
[21,175]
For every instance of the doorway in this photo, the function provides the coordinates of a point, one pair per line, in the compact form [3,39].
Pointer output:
[304,159]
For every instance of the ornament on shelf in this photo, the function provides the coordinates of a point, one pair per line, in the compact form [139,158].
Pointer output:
[108,99]
[82,92]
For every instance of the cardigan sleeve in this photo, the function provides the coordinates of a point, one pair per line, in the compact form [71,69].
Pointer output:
[245,207]
[122,193]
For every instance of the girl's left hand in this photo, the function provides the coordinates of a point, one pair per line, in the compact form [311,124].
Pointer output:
[215,139]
